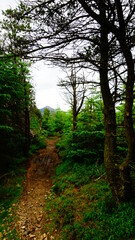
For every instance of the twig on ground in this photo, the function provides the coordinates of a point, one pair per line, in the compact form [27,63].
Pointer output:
[99,177]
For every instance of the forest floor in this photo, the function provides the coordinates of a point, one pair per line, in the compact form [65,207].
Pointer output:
[62,200]
[30,215]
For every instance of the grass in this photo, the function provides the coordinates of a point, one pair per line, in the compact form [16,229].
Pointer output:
[10,192]
[80,206]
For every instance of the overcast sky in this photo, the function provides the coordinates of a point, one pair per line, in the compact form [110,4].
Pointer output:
[44,78]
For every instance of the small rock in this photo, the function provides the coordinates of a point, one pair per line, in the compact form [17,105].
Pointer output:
[39,220]
[36,229]
[32,236]
[43,237]
[26,233]
[24,223]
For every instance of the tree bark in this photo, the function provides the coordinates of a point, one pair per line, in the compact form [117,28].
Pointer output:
[74,105]
[118,176]
[110,161]
[128,122]
[27,119]
[27,132]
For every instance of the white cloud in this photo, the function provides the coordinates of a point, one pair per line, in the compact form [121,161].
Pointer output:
[47,92]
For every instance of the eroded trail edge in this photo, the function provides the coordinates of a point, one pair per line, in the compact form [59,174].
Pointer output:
[30,214]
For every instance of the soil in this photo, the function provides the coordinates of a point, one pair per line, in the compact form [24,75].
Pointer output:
[30,214]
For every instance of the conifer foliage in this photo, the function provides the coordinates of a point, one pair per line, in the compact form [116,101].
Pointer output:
[14,101]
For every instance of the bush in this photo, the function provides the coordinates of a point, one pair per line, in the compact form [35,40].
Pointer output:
[38,142]
[82,146]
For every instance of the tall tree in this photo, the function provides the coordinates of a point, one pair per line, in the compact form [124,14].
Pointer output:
[120,23]
[11,36]
[110,159]
[12,107]
[75,93]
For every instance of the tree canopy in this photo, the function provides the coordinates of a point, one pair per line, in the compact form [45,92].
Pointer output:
[98,35]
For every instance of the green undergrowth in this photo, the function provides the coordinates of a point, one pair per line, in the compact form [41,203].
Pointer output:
[80,206]
[10,192]
[38,142]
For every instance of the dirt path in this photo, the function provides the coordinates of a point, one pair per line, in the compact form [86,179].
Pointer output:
[30,214]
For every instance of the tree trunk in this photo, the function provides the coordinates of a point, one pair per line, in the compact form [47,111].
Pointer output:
[74,121]
[26,120]
[128,122]
[110,161]
[118,176]
[74,105]
[27,132]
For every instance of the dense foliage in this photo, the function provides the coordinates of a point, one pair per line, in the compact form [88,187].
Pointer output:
[38,138]
[85,144]
[15,99]
[55,122]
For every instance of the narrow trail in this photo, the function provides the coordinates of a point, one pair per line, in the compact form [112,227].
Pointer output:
[30,214]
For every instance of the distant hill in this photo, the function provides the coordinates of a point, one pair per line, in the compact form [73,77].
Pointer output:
[42,109]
